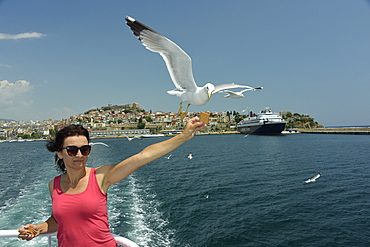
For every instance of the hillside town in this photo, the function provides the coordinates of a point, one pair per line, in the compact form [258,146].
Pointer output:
[115,120]
[132,120]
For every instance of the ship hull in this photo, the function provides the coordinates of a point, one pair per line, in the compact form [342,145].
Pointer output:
[262,129]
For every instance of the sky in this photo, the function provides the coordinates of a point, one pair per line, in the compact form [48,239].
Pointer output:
[62,58]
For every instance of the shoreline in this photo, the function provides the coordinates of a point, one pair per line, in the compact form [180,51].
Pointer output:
[169,135]
[345,131]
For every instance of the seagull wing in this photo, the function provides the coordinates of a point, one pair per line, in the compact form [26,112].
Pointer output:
[231,94]
[250,89]
[223,87]
[226,91]
[178,63]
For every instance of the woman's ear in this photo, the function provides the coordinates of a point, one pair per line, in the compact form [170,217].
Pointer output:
[60,154]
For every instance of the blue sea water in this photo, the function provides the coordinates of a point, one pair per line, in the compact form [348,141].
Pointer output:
[236,191]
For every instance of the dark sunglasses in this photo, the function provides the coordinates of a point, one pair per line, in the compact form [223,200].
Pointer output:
[73,150]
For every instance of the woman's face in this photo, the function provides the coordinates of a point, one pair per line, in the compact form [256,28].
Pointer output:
[78,161]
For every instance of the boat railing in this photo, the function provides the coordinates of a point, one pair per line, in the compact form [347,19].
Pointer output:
[124,242]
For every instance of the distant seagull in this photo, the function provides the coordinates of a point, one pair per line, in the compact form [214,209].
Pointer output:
[206,196]
[238,95]
[313,179]
[168,157]
[179,66]
[246,136]
[98,143]
[190,156]
[131,138]
[244,110]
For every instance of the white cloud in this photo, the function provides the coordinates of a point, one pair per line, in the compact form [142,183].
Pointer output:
[5,65]
[18,102]
[14,94]
[21,35]
[46,113]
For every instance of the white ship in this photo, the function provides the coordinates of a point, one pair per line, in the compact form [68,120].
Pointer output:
[264,123]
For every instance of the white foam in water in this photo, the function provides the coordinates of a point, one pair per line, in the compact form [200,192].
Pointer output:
[148,224]
[32,205]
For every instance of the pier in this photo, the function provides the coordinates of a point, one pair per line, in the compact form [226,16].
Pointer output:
[348,131]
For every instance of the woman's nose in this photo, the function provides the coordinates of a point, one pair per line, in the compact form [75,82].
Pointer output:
[79,154]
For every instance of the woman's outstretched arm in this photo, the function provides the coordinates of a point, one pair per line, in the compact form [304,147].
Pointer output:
[117,172]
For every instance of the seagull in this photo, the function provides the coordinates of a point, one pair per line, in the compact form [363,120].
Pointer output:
[98,143]
[313,179]
[190,156]
[244,110]
[168,157]
[238,95]
[179,66]
[131,138]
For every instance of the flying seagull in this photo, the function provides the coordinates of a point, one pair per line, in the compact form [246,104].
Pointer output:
[179,66]
[313,179]
[238,95]
[168,157]
[98,143]
[131,138]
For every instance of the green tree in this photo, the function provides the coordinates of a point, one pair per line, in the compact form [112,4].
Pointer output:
[141,125]
[239,118]
[148,119]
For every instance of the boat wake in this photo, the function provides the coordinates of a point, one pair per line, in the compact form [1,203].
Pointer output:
[144,222]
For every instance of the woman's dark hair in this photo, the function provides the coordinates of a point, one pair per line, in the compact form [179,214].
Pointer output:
[56,143]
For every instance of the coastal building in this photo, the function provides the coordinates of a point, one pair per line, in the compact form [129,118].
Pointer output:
[114,133]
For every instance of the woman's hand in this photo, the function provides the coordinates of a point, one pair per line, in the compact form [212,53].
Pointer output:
[192,126]
[28,232]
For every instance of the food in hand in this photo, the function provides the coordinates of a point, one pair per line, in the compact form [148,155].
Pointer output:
[30,233]
[204,117]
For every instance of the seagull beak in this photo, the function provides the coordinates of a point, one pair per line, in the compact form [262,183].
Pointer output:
[209,95]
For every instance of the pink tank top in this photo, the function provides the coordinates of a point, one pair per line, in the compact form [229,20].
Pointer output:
[82,218]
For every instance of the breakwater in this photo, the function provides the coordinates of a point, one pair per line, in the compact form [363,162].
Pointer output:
[348,131]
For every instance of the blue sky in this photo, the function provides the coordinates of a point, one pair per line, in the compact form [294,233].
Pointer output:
[61,58]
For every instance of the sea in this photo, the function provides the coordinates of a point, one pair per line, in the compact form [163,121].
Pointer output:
[237,190]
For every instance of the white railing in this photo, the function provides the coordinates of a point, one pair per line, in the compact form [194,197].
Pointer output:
[124,242]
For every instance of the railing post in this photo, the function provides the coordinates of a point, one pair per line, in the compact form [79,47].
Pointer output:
[49,241]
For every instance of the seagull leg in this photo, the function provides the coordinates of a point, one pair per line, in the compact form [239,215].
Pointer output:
[180,109]
[187,107]
[183,114]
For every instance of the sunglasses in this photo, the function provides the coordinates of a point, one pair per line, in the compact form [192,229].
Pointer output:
[73,150]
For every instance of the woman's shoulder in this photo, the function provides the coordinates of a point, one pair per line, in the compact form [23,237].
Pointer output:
[51,186]
[52,181]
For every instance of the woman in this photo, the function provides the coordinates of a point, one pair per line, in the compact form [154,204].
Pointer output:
[79,195]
